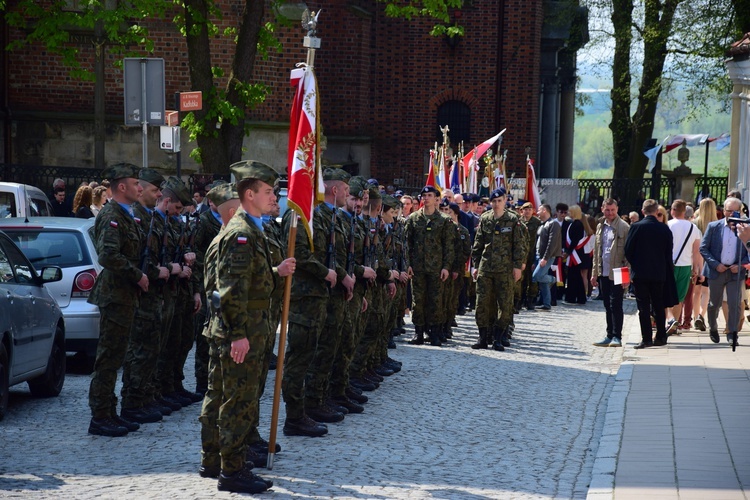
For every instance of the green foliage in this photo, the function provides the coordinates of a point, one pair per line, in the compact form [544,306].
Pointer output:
[437,10]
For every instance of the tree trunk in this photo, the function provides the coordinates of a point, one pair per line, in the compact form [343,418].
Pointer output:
[622,21]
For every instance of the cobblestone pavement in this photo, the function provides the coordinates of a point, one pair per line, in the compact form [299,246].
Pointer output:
[454,423]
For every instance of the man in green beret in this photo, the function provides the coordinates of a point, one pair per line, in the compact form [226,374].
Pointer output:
[429,235]
[118,238]
[143,348]
[245,281]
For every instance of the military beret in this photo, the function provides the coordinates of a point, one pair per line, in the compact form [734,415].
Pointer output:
[497,193]
[179,188]
[251,169]
[358,186]
[475,198]
[391,201]
[151,176]
[120,171]
[444,203]
[527,205]
[336,174]
[455,208]
[429,189]
[373,183]
[375,193]
[223,193]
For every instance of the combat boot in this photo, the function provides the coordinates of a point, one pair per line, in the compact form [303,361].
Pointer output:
[449,330]
[433,333]
[304,426]
[418,338]
[530,304]
[505,336]
[482,344]
[322,413]
[441,332]
[243,481]
[497,335]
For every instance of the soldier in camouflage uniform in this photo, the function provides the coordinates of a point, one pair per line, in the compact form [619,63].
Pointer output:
[393,249]
[351,333]
[428,233]
[499,252]
[361,370]
[462,242]
[529,288]
[143,346]
[307,314]
[119,239]
[206,230]
[245,281]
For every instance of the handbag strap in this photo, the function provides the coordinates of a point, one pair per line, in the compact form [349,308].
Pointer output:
[684,243]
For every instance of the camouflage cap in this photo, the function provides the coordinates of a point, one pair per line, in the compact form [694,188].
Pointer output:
[391,201]
[497,193]
[251,169]
[151,176]
[375,193]
[120,171]
[216,183]
[336,174]
[179,188]
[223,193]
[357,186]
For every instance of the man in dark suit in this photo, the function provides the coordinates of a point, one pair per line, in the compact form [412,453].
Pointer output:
[722,252]
[648,249]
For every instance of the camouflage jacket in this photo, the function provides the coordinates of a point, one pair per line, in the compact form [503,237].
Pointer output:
[215,329]
[272,230]
[463,249]
[355,241]
[309,278]
[245,278]
[118,238]
[533,225]
[429,241]
[499,244]
[180,231]
[207,229]
[153,244]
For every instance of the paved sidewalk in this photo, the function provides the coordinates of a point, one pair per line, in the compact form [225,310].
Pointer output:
[677,422]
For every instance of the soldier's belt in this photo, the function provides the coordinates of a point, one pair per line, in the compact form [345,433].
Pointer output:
[259,304]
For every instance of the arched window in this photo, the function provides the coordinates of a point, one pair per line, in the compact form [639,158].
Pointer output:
[457,116]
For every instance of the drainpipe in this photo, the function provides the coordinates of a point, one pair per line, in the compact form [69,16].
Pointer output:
[5,91]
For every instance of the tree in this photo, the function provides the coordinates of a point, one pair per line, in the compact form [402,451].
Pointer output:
[220,127]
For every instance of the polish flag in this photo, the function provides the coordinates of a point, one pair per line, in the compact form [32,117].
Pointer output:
[532,190]
[306,187]
[621,275]
[691,140]
[479,151]
[431,173]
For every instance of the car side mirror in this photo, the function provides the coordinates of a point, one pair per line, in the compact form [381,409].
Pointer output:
[51,274]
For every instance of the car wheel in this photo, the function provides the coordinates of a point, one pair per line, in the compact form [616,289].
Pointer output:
[50,383]
[4,378]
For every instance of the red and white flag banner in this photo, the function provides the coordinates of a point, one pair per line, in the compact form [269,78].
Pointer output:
[306,187]
[621,275]
[479,151]
[532,190]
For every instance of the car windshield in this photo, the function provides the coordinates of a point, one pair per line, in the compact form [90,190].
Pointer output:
[51,247]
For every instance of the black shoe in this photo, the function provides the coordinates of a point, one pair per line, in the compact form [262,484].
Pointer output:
[362,384]
[371,375]
[733,339]
[170,403]
[355,396]
[194,397]
[392,361]
[261,445]
[129,424]
[176,396]
[156,406]
[432,332]
[453,323]
[392,365]
[201,391]
[351,406]
[141,415]
[107,427]
[482,344]
[496,345]
[209,471]
[272,361]
[323,413]
[505,337]
[391,343]
[383,371]
[418,338]
[304,426]
[243,481]
[714,334]
[330,403]
[644,345]
[256,458]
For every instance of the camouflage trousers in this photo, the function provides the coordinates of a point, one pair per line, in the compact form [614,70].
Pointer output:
[115,323]
[529,287]
[306,319]
[452,293]
[155,387]
[210,445]
[142,351]
[351,334]
[494,299]
[201,347]
[427,292]
[367,346]
[186,339]
[171,352]
[317,380]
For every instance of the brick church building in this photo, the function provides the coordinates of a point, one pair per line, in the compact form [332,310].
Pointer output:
[386,86]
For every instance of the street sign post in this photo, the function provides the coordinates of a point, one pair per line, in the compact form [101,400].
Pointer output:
[144,95]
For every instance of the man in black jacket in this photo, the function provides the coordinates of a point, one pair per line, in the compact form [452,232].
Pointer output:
[648,249]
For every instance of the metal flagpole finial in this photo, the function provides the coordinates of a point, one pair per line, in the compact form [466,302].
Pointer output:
[311,42]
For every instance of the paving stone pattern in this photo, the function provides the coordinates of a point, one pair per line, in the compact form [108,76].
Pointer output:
[454,423]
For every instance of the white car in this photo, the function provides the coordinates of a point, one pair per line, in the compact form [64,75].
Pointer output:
[22,200]
[32,330]
[65,242]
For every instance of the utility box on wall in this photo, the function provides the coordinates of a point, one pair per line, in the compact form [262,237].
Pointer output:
[169,139]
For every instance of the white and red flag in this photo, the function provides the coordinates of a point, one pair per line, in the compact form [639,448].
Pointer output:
[479,151]
[306,187]
[532,190]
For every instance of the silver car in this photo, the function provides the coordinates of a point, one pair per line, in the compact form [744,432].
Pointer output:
[32,330]
[65,242]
